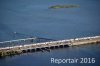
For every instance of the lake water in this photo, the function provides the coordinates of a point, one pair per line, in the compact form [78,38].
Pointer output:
[33,17]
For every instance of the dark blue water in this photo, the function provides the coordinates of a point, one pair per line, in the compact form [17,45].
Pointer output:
[32,17]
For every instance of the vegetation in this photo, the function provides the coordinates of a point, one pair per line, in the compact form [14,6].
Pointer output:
[64,6]
[9,53]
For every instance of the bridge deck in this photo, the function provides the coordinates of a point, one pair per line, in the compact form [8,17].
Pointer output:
[5,51]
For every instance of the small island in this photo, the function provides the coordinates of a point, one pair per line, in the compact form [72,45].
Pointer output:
[64,6]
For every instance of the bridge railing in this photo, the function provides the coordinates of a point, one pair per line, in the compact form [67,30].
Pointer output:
[23,41]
